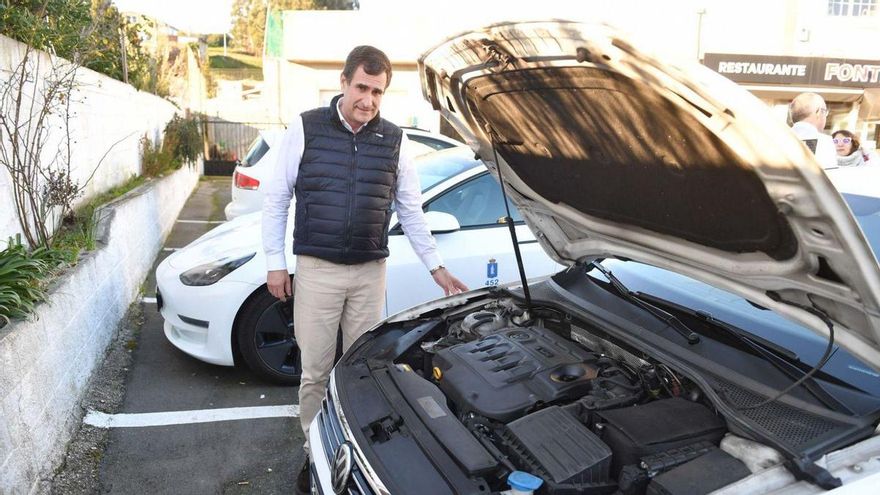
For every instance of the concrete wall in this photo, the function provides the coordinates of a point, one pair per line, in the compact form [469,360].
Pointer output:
[104,111]
[45,362]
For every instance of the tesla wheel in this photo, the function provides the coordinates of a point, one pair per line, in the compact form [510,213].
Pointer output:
[266,338]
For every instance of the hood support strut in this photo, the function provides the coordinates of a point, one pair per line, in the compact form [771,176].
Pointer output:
[511,227]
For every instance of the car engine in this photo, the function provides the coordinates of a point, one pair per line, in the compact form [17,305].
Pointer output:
[543,396]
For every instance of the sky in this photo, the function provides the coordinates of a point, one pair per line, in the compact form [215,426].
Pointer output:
[197,16]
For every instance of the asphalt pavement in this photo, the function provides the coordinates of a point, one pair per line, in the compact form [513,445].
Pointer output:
[187,456]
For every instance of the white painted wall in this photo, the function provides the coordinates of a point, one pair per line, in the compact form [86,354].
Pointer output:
[105,111]
[46,361]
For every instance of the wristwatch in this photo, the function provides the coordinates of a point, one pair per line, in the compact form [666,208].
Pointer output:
[436,269]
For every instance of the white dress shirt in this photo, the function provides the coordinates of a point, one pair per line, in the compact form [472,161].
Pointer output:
[279,191]
[826,154]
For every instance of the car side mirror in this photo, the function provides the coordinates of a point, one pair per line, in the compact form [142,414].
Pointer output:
[441,223]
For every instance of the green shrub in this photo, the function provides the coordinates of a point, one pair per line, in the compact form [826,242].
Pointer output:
[24,276]
[183,138]
[182,143]
[156,159]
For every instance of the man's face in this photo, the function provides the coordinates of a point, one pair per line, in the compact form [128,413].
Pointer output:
[361,97]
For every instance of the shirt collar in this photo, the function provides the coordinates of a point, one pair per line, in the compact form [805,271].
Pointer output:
[804,130]
[342,119]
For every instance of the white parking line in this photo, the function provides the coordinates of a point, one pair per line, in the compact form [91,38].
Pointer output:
[141,420]
[148,300]
[170,249]
[202,221]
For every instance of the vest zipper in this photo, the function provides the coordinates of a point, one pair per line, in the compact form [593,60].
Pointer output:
[351,185]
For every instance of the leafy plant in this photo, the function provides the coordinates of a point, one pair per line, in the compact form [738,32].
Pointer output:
[183,138]
[154,159]
[183,142]
[23,277]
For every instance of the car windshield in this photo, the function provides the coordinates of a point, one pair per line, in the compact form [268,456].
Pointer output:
[737,311]
[434,168]
[867,212]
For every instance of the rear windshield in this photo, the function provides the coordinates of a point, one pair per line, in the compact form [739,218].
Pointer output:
[434,168]
[258,148]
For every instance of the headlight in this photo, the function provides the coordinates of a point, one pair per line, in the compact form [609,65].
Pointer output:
[210,273]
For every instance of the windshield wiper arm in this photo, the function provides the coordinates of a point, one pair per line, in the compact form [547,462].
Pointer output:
[786,366]
[781,358]
[637,299]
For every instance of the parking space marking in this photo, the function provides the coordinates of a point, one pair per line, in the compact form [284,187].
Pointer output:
[148,300]
[142,420]
[202,221]
[170,249]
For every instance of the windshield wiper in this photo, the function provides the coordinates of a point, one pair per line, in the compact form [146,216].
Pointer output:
[781,358]
[639,300]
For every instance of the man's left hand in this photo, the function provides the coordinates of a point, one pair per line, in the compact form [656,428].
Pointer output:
[448,282]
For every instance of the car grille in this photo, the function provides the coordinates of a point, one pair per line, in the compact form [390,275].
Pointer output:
[331,437]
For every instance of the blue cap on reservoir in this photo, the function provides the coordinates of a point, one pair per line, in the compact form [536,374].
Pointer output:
[523,481]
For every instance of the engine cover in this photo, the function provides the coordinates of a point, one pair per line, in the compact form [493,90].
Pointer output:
[505,375]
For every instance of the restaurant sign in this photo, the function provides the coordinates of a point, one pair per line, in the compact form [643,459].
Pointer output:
[801,71]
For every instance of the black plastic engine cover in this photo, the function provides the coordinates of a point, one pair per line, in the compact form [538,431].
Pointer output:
[505,375]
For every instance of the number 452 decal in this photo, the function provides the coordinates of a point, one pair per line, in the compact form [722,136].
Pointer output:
[492,272]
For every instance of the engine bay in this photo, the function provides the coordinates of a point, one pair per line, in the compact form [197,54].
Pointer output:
[506,390]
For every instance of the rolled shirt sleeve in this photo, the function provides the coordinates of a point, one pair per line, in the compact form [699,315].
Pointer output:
[408,203]
[278,192]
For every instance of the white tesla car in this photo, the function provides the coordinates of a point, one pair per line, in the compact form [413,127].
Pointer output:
[256,167]
[212,293]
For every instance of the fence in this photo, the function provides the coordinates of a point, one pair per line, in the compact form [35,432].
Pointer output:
[228,142]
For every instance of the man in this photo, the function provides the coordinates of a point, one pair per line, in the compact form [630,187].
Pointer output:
[808,113]
[347,167]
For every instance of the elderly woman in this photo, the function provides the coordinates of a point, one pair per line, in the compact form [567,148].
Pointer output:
[849,150]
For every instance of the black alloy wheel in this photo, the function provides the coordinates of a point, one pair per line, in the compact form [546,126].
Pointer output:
[266,338]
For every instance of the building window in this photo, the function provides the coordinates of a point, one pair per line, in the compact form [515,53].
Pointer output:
[852,7]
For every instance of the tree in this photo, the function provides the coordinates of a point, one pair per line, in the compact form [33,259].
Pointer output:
[249,18]
[91,33]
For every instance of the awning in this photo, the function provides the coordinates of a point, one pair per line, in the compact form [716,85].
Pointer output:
[786,92]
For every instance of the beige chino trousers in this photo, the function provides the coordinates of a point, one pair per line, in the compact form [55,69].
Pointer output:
[328,296]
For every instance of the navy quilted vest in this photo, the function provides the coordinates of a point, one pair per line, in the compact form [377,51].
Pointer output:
[345,188]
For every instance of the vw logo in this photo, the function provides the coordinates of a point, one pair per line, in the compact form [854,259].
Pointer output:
[340,470]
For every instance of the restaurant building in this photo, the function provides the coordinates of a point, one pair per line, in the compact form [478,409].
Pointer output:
[775,49]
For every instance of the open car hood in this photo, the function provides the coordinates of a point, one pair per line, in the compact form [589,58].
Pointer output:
[609,152]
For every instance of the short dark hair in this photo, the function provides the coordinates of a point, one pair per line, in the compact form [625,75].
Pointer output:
[854,140]
[373,60]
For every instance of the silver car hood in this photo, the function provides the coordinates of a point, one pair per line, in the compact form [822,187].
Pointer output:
[609,152]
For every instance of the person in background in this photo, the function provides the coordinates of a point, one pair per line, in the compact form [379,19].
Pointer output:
[849,150]
[808,114]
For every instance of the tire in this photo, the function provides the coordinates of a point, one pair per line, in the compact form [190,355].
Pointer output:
[266,338]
